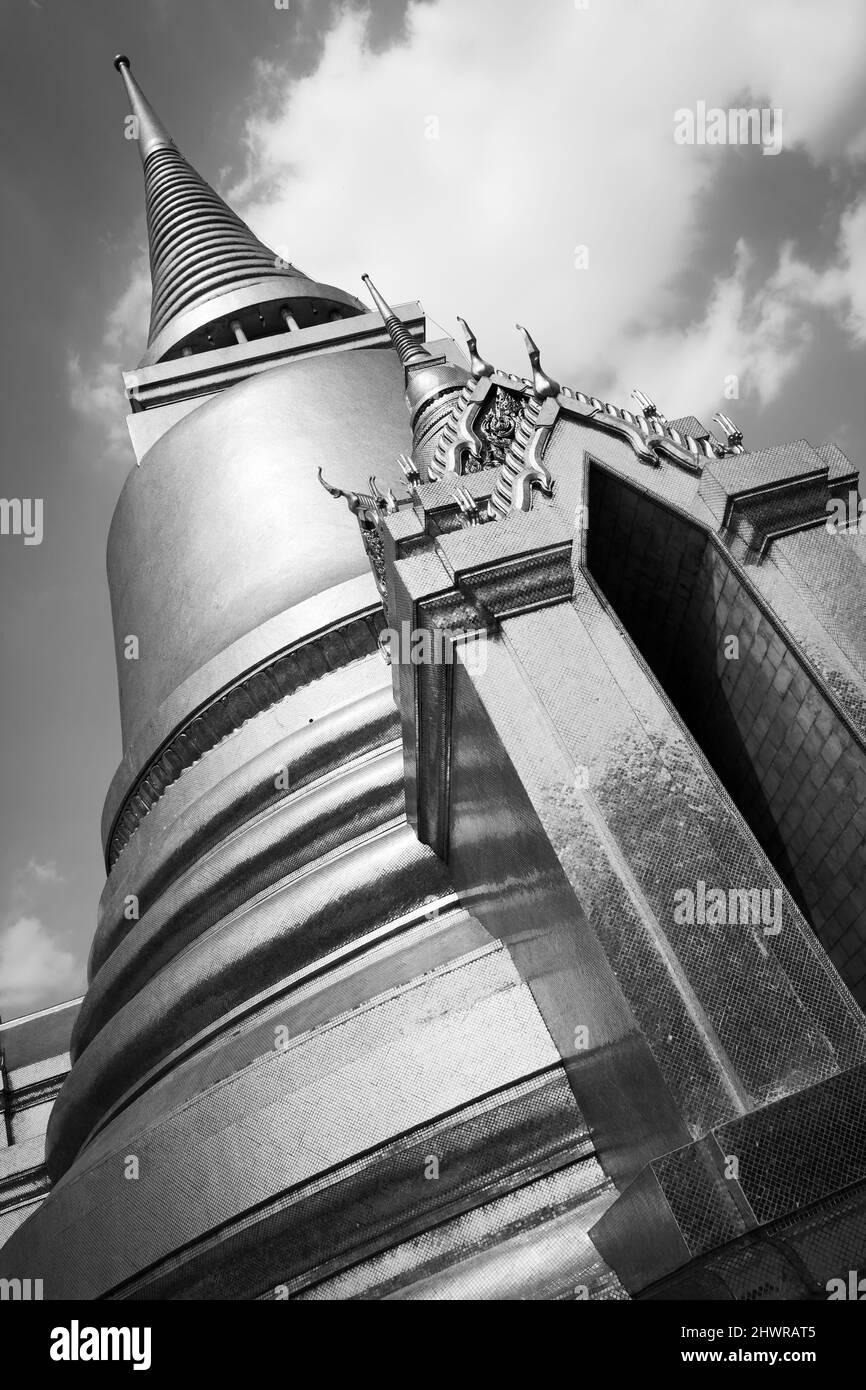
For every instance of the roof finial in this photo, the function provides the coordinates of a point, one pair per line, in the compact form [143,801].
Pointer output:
[733,434]
[648,406]
[477,365]
[410,472]
[409,352]
[355,501]
[543,384]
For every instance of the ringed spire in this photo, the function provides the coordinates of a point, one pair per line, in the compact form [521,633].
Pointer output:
[433,384]
[215,283]
[427,377]
[411,354]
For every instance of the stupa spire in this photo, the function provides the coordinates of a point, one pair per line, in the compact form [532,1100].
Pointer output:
[433,384]
[411,354]
[214,282]
[152,134]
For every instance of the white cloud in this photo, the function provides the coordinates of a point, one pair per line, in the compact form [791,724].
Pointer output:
[96,387]
[127,321]
[44,872]
[35,970]
[840,288]
[96,394]
[756,332]
[810,60]
[757,336]
[555,129]
[33,967]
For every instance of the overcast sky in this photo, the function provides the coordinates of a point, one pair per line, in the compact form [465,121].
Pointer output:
[498,160]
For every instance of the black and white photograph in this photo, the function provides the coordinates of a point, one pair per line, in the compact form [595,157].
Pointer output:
[432,672]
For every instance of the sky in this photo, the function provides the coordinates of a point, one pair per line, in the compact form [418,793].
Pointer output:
[501,161]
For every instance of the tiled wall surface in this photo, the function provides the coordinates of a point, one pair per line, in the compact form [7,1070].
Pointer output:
[793,765]
[580,755]
[34,1060]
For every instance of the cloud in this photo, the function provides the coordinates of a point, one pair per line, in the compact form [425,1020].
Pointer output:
[468,164]
[95,387]
[841,288]
[96,395]
[33,968]
[44,872]
[756,335]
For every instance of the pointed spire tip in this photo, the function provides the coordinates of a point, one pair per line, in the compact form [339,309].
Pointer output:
[409,352]
[151,134]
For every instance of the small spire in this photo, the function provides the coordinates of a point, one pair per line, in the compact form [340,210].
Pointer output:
[433,384]
[543,384]
[152,134]
[477,365]
[410,353]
